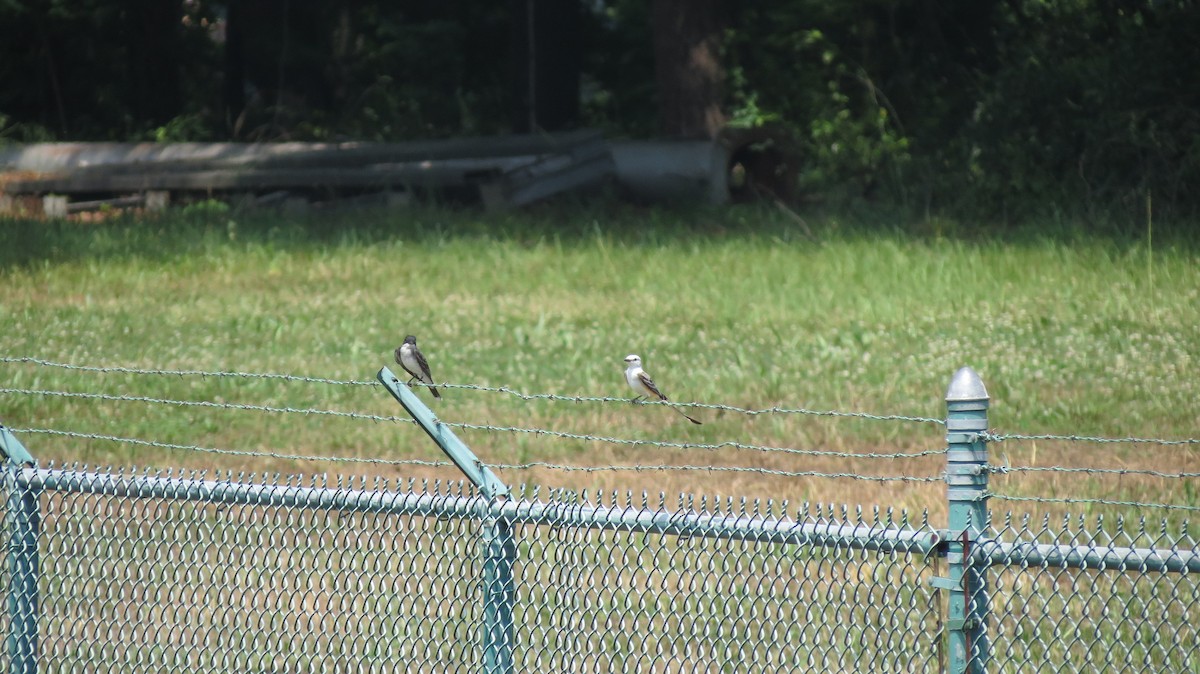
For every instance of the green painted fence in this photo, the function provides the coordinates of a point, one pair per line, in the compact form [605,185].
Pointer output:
[112,570]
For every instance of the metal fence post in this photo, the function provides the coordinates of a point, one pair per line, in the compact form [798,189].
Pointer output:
[499,546]
[966,481]
[23,523]
[500,552]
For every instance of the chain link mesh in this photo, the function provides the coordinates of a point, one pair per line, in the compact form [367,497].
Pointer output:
[153,572]
[1128,617]
[164,572]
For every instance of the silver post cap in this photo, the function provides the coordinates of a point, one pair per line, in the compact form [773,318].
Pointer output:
[966,385]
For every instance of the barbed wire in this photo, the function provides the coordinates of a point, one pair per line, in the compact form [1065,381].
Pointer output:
[719,469]
[990,436]
[555,397]
[1002,470]
[205,403]
[730,444]
[498,466]
[983,496]
[228,452]
[188,373]
[697,405]
[1001,437]
[590,469]
[507,429]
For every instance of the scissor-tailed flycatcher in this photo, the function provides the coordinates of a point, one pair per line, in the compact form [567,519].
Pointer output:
[643,385]
[411,359]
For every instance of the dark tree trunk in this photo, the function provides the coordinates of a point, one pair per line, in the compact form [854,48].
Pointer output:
[687,66]
[546,61]
[343,53]
[235,69]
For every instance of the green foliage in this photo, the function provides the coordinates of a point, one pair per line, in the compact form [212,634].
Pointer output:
[618,69]
[846,133]
[991,109]
[987,109]
[1093,105]
[183,128]
[22,132]
[206,209]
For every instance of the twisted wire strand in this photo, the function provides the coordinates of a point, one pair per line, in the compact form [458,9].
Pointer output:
[227,452]
[188,373]
[484,427]
[1002,470]
[499,466]
[987,435]
[696,405]
[688,445]
[205,403]
[469,387]
[720,469]
[1001,437]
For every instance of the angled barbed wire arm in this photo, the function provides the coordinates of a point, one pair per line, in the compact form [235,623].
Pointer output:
[498,544]
[479,474]
[23,520]
[14,451]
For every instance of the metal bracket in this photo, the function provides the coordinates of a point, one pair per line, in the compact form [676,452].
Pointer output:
[961,624]
[940,583]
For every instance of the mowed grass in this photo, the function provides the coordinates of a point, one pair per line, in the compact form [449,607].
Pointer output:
[732,306]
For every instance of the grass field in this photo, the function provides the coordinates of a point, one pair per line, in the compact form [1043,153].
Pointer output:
[735,306]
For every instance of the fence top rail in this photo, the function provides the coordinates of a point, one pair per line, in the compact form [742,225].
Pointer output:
[1098,557]
[1087,501]
[740,521]
[691,517]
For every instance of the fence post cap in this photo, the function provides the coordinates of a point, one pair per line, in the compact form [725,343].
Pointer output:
[966,385]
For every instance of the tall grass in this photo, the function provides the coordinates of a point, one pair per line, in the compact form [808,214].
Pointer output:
[734,306]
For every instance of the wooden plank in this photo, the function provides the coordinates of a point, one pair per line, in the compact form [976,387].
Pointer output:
[453,148]
[572,176]
[49,157]
[100,181]
[586,164]
[116,202]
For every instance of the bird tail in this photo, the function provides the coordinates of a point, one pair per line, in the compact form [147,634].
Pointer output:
[435,393]
[685,416]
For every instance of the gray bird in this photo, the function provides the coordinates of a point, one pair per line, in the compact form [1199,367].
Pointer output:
[413,361]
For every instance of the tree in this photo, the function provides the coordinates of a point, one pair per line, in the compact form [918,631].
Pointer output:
[687,66]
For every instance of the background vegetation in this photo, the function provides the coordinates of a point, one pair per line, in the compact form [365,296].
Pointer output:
[1002,183]
[993,110]
[730,306]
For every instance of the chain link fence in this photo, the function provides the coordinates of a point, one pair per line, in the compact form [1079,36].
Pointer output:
[1088,595]
[169,573]
[112,570]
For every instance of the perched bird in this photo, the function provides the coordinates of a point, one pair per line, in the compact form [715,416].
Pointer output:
[643,385]
[413,361]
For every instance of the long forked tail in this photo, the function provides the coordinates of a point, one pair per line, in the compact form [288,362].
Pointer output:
[685,416]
